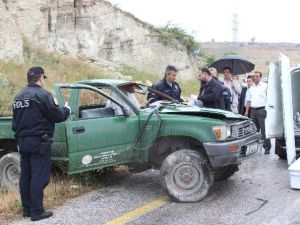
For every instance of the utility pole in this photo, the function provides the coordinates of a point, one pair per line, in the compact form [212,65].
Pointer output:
[235,32]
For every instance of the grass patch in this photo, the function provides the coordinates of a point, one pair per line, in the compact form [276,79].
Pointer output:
[189,87]
[60,188]
[64,69]
[230,53]
[58,68]
[139,75]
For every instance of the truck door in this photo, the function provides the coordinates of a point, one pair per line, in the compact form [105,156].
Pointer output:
[101,130]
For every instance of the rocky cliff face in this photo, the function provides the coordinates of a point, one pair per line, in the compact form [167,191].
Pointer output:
[90,30]
[11,46]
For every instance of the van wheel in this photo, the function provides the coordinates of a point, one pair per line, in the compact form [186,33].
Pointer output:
[186,175]
[225,172]
[10,170]
[279,150]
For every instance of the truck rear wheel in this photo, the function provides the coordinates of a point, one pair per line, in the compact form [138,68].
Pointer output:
[10,170]
[186,175]
[225,172]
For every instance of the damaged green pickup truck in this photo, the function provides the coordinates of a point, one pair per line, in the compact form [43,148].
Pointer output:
[109,126]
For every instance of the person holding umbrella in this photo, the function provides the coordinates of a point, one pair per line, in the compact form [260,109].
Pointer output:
[234,86]
[231,65]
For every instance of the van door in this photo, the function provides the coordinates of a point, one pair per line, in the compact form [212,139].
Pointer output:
[274,119]
[287,103]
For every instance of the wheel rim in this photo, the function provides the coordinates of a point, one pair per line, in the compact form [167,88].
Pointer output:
[187,177]
[12,174]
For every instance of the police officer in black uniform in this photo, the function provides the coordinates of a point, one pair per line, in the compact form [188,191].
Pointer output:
[34,118]
[167,86]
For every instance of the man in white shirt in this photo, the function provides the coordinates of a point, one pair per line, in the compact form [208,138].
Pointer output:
[257,99]
[234,86]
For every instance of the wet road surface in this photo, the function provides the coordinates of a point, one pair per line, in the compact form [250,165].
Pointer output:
[259,193]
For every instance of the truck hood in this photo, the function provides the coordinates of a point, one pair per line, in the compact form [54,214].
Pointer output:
[204,112]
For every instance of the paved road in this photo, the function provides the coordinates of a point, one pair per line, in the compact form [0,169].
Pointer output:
[138,200]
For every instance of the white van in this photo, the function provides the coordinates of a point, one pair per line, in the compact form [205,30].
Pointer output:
[283,108]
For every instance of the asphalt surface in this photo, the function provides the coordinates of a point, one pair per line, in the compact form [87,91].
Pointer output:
[259,193]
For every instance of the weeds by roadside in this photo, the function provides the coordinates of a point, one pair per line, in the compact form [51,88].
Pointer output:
[57,191]
[61,188]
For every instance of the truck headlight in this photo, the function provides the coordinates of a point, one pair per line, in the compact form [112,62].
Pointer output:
[222,132]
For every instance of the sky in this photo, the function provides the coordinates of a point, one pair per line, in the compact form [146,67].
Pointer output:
[263,20]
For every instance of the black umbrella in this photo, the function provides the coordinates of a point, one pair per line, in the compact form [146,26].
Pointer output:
[238,64]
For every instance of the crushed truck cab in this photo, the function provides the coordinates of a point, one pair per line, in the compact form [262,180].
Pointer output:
[110,125]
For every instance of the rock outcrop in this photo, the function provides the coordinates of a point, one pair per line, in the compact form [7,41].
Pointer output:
[90,30]
[11,44]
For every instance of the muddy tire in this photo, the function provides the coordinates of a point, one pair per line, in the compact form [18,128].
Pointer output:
[225,172]
[10,170]
[186,176]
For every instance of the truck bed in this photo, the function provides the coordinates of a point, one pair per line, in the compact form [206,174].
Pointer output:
[5,128]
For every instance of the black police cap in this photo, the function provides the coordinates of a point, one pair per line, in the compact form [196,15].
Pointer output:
[36,70]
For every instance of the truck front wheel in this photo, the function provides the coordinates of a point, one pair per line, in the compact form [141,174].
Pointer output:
[10,170]
[186,175]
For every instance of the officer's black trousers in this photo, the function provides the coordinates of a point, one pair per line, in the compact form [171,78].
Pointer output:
[35,174]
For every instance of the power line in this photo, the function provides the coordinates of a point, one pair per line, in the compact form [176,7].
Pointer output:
[235,32]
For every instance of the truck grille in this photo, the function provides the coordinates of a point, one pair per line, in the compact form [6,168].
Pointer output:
[246,129]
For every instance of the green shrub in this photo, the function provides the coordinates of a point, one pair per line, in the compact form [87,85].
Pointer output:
[209,60]
[171,32]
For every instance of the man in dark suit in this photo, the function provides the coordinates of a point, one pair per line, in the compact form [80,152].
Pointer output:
[244,93]
[226,91]
[211,94]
